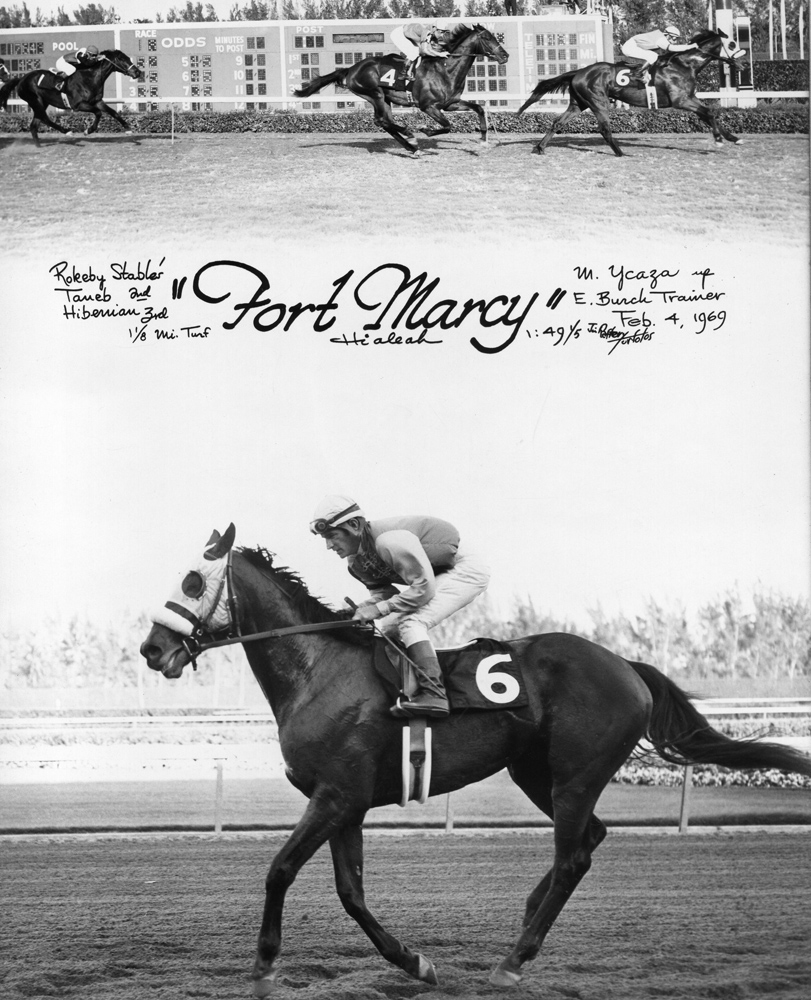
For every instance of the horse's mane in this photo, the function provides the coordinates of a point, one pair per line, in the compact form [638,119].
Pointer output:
[706,35]
[310,608]
[458,33]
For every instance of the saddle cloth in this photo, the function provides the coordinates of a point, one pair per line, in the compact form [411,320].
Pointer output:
[482,675]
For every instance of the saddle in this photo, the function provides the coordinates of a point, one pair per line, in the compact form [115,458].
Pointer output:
[479,675]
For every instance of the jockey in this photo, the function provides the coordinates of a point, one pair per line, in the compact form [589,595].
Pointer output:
[67,65]
[424,556]
[414,40]
[646,45]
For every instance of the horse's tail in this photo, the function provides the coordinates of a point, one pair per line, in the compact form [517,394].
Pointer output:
[319,82]
[680,734]
[548,87]
[8,89]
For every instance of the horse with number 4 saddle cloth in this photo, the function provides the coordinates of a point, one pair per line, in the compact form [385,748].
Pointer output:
[562,714]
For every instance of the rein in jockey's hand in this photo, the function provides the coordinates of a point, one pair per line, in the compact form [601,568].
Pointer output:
[367,612]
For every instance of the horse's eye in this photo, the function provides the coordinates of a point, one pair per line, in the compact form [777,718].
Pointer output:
[193,585]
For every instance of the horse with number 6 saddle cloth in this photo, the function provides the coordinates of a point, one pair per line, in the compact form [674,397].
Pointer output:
[481,675]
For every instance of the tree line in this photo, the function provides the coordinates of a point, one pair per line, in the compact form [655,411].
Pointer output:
[630,16]
[769,641]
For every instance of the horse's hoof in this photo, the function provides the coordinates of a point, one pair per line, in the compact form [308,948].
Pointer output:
[426,972]
[737,142]
[265,986]
[416,154]
[503,977]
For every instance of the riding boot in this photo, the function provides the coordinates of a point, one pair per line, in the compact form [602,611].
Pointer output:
[430,698]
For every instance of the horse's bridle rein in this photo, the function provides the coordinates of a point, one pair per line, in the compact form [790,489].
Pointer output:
[196,643]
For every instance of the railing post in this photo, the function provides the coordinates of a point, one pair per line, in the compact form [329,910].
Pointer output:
[448,814]
[218,799]
[686,785]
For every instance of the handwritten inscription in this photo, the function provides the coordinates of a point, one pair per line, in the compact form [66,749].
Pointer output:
[391,305]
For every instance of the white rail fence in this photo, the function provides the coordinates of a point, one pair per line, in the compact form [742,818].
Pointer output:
[218,755]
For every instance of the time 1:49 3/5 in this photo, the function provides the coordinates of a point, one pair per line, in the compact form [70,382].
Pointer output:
[703,320]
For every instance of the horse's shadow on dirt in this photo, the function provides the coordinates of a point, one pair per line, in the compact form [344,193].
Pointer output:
[630,144]
[52,140]
[386,146]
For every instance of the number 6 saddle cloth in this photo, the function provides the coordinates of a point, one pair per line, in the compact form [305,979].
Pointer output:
[484,674]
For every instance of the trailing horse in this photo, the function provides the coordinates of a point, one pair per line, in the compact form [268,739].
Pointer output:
[673,77]
[436,87]
[83,91]
[569,716]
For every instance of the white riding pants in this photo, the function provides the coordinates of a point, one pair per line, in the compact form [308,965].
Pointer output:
[455,589]
[630,48]
[65,67]
[405,45]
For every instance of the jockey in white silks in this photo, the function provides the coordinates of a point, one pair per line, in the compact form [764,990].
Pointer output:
[646,46]
[414,40]
[424,556]
[68,64]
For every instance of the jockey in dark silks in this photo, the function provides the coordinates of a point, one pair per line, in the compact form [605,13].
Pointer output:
[423,556]
[67,65]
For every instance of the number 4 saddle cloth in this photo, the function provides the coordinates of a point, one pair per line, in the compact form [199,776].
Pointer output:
[484,674]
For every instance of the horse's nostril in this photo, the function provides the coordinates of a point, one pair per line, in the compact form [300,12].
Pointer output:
[149,651]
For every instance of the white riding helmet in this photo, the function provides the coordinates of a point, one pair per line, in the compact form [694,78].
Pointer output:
[672,30]
[333,510]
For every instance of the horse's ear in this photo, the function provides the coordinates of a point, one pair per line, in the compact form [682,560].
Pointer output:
[220,545]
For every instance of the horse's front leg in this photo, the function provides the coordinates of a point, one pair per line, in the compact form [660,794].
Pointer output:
[325,813]
[91,128]
[101,106]
[480,112]
[433,111]
[710,117]
[347,858]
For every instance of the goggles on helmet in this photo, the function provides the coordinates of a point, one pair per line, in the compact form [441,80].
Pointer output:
[323,524]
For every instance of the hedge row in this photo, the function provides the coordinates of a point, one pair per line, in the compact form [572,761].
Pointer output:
[778,74]
[790,120]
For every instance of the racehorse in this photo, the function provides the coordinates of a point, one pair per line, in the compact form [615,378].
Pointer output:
[674,78]
[84,90]
[585,711]
[436,87]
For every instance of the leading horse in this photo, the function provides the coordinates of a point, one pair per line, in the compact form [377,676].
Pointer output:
[674,78]
[84,91]
[436,87]
[585,711]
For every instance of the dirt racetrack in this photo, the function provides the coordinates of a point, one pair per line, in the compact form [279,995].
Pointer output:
[722,917]
[117,190]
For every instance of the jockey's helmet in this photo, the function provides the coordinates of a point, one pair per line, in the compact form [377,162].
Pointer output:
[333,511]
[672,32]
[91,50]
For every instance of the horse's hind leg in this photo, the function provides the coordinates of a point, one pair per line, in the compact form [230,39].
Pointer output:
[558,123]
[576,836]
[347,859]
[534,782]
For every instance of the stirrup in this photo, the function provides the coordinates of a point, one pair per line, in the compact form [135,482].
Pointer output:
[416,709]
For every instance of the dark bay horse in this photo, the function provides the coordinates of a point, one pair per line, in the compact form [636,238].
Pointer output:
[586,710]
[674,78]
[436,88]
[84,91]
